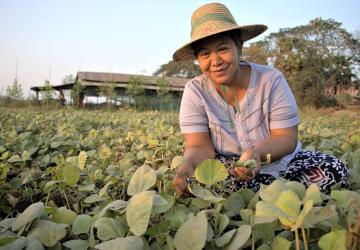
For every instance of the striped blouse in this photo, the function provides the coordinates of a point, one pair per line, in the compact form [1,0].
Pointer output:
[267,104]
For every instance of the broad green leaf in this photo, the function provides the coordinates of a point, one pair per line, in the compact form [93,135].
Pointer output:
[47,232]
[343,197]
[51,185]
[26,156]
[334,240]
[33,244]
[26,177]
[225,238]
[177,215]
[77,244]
[204,193]
[20,243]
[127,243]
[247,215]
[143,179]
[267,212]
[200,203]
[265,231]
[7,223]
[159,228]
[289,203]
[210,171]
[138,212]
[209,233]
[56,144]
[64,215]
[240,238]
[273,191]
[31,213]
[356,160]
[304,212]
[222,223]
[104,152]
[160,173]
[82,224]
[94,198]
[185,238]
[90,187]
[264,246]
[103,192]
[162,203]
[234,203]
[313,193]
[108,228]
[280,243]
[5,240]
[247,195]
[71,175]
[319,214]
[115,206]
[82,159]
[176,161]
[297,187]
[15,159]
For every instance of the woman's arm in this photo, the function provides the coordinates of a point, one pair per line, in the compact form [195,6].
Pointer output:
[280,143]
[198,147]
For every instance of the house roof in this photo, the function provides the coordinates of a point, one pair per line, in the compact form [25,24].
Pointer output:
[121,80]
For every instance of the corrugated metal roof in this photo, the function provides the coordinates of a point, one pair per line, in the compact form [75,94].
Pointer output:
[103,78]
[124,78]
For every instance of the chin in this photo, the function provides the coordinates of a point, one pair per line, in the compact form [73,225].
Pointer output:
[220,80]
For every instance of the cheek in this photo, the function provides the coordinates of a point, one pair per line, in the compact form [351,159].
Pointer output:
[204,66]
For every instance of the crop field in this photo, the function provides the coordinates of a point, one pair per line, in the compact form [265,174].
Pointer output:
[90,179]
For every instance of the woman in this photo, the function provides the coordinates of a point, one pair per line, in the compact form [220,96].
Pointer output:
[238,109]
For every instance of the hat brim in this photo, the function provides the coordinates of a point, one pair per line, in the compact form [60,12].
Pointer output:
[186,52]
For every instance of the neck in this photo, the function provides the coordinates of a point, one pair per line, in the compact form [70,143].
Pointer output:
[234,91]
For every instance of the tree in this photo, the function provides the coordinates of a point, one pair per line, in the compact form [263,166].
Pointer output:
[14,91]
[186,69]
[77,94]
[48,92]
[135,90]
[314,58]
[68,79]
[163,90]
[109,92]
[256,53]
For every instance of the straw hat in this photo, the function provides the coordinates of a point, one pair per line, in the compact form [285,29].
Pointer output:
[211,19]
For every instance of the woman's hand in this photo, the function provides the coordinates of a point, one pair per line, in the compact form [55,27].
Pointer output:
[179,182]
[249,174]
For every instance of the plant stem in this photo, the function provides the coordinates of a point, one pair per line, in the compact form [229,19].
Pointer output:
[67,202]
[297,240]
[304,238]
[47,199]
[308,235]
[252,232]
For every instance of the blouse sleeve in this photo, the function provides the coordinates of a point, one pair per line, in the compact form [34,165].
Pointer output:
[283,109]
[193,117]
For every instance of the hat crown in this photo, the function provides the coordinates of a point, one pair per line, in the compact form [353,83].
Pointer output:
[209,19]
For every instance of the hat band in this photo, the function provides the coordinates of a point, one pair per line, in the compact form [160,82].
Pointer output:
[212,17]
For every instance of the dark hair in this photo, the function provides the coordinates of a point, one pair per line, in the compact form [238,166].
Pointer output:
[233,35]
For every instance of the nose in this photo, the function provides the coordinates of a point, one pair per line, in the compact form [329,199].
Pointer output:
[215,59]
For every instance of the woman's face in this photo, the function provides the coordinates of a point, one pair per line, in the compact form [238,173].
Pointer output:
[218,59]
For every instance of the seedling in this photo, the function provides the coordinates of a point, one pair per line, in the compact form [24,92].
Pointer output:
[243,169]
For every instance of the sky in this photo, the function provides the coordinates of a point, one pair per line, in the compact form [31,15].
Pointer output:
[49,39]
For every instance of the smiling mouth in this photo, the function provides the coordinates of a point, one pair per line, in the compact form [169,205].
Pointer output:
[219,70]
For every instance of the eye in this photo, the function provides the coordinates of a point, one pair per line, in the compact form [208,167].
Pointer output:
[223,49]
[203,54]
